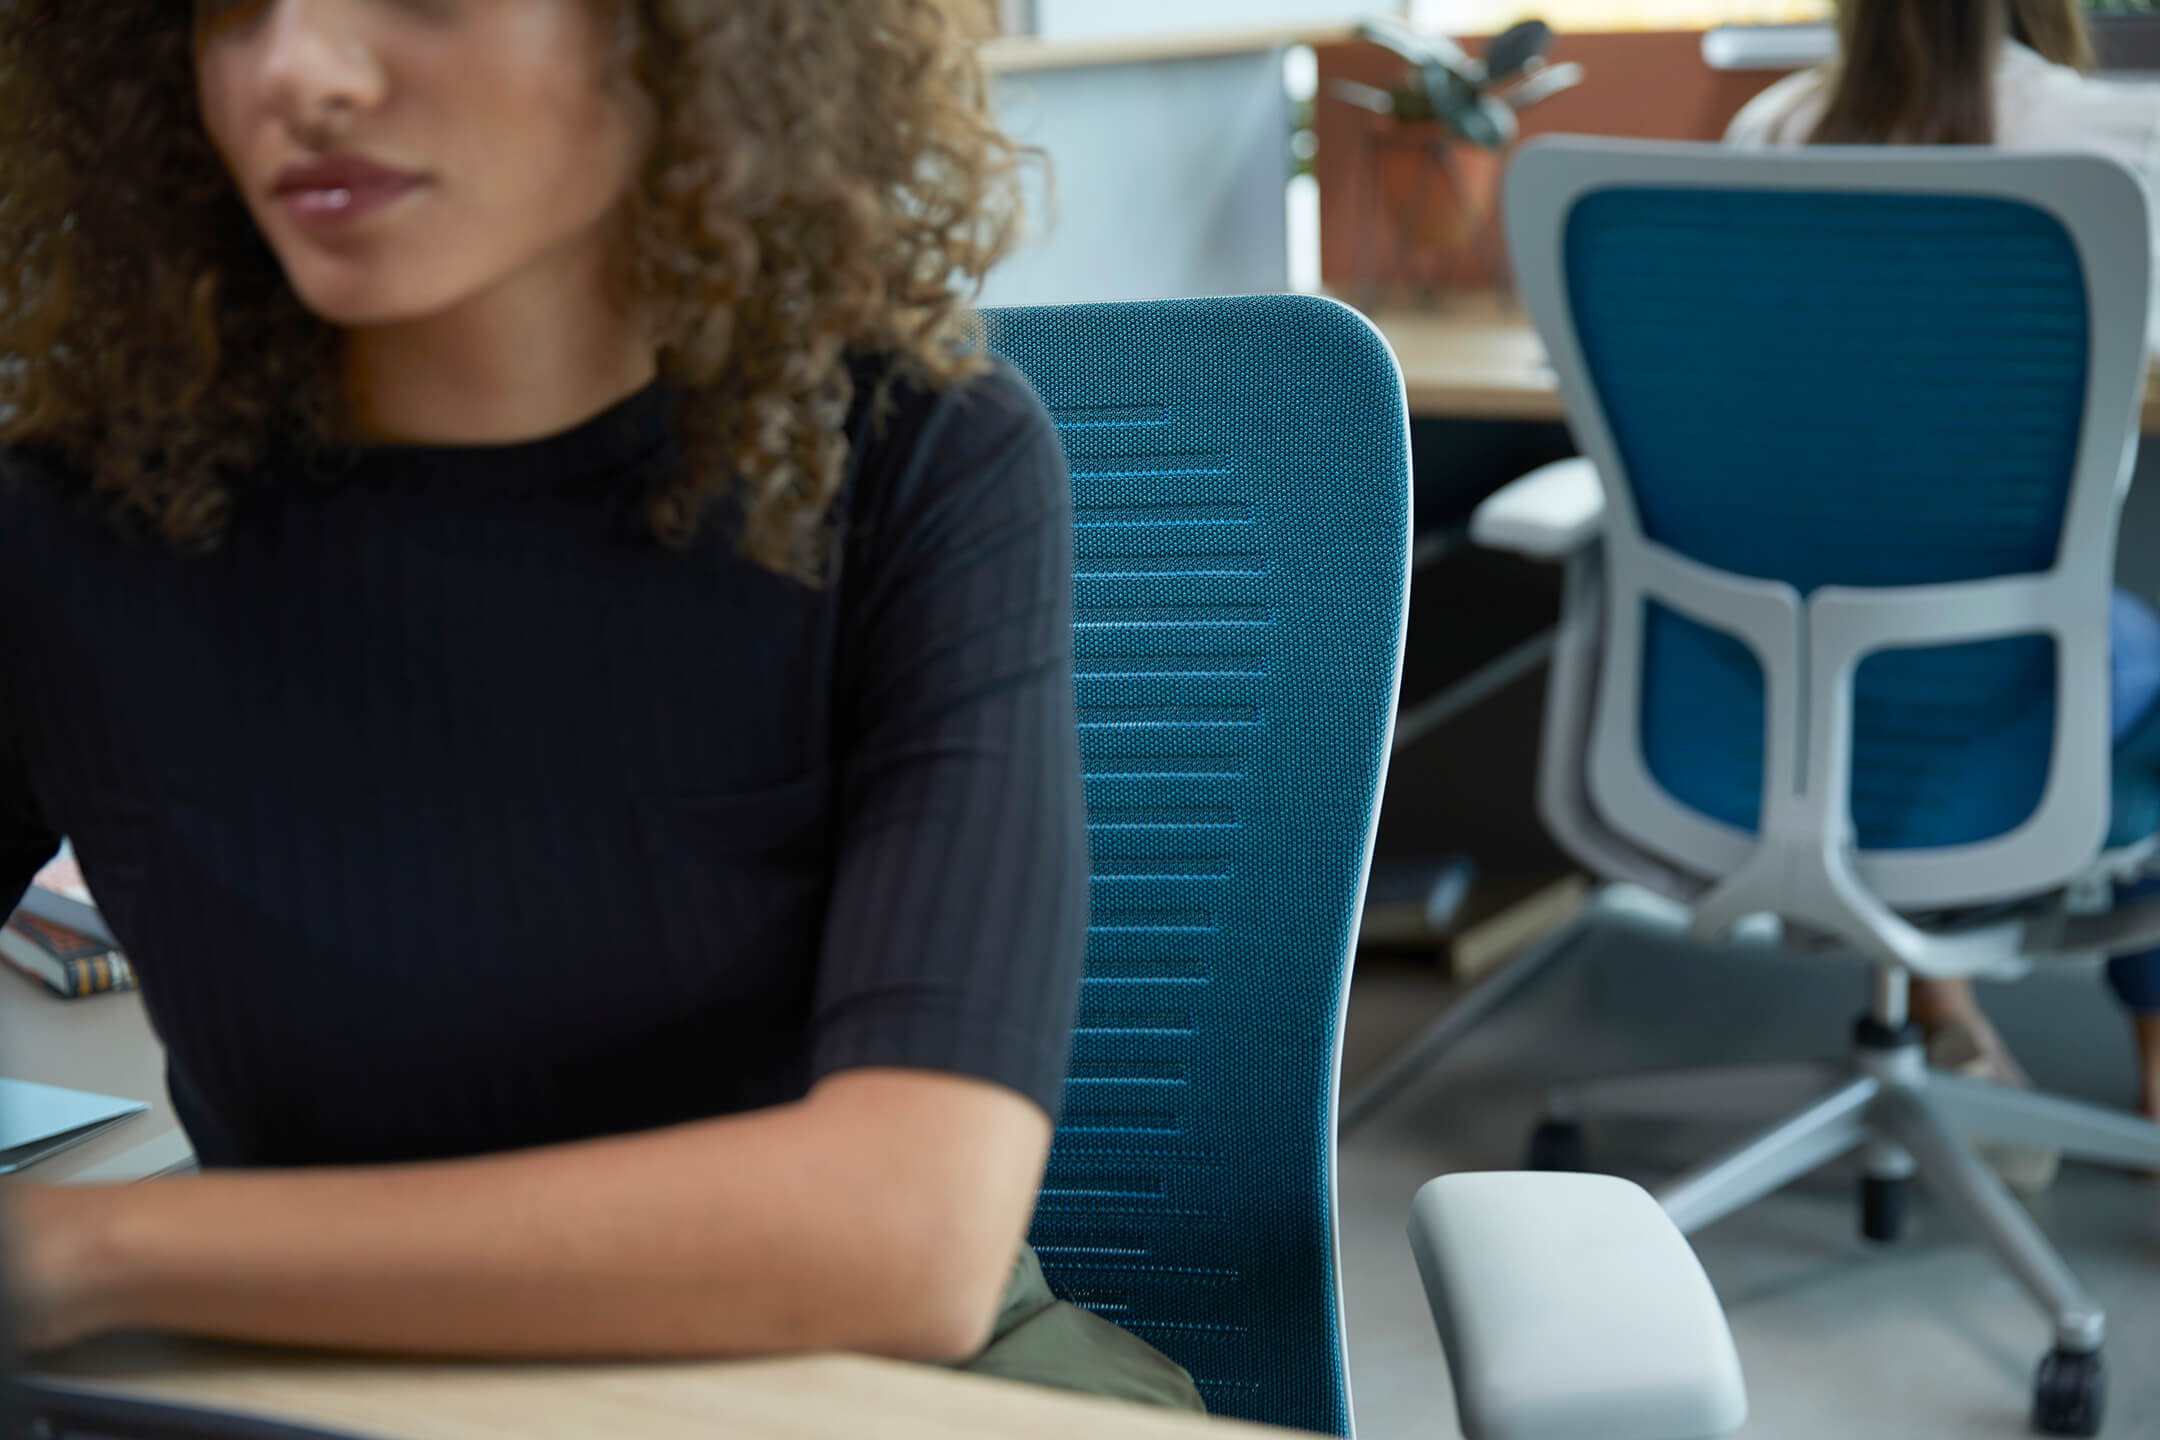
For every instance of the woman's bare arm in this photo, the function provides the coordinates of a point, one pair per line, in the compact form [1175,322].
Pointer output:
[881,1214]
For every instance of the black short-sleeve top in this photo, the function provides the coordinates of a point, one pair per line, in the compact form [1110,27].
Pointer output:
[443,810]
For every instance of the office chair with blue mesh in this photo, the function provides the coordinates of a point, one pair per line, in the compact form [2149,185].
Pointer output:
[1242,511]
[1857,427]
[1241,496]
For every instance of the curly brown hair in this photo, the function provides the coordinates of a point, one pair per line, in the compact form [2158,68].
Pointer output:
[822,178]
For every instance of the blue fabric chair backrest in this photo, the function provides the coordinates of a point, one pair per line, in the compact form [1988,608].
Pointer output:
[1868,389]
[1241,493]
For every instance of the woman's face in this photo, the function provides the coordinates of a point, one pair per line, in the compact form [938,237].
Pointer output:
[491,147]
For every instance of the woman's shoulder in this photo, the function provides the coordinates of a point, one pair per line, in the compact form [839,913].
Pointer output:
[2044,106]
[37,489]
[1784,114]
[27,467]
[911,407]
[52,524]
[914,439]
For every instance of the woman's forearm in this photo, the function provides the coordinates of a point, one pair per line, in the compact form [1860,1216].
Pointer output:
[881,1215]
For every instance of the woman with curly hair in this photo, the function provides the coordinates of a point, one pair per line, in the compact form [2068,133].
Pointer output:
[552,645]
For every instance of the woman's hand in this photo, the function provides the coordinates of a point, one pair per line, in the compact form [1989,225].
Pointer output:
[53,1237]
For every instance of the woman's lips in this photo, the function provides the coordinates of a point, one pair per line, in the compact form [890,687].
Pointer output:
[334,206]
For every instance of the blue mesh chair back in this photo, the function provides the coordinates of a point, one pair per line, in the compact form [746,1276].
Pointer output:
[1241,494]
[1860,389]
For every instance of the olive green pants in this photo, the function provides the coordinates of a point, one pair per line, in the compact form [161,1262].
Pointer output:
[1042,1340]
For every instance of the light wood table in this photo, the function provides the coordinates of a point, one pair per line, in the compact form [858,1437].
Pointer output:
[816,1397]
[1478,359]
[1474,360]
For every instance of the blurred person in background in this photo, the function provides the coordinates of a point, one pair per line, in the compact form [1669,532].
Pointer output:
[552,642]
[2014,74]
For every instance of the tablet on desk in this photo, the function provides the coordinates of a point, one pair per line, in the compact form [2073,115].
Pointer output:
[41,1120]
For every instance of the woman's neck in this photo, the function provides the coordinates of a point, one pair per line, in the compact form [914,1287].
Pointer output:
[517,363]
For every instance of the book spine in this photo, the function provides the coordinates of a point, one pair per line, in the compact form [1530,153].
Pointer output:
[70,979]
[96,975]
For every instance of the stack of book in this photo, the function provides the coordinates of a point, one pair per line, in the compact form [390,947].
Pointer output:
[58,938]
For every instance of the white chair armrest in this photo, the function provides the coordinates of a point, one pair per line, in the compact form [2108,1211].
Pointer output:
[1548,514]
[1571,1308]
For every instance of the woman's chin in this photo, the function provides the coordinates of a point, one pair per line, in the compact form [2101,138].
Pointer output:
[360,302]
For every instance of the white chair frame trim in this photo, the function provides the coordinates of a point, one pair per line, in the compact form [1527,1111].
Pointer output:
[1809,648]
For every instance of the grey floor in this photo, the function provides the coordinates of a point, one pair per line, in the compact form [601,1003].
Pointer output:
[1838,1339]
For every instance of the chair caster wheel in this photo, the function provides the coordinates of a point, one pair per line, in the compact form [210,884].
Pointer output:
[1558,1145]
[1882,1208]
[2070,1395]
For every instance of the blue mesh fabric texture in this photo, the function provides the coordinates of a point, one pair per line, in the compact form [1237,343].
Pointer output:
[1829,388]
[1242,512]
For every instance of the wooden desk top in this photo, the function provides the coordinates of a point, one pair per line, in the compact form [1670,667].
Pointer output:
[1477,359]
[816,1397]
